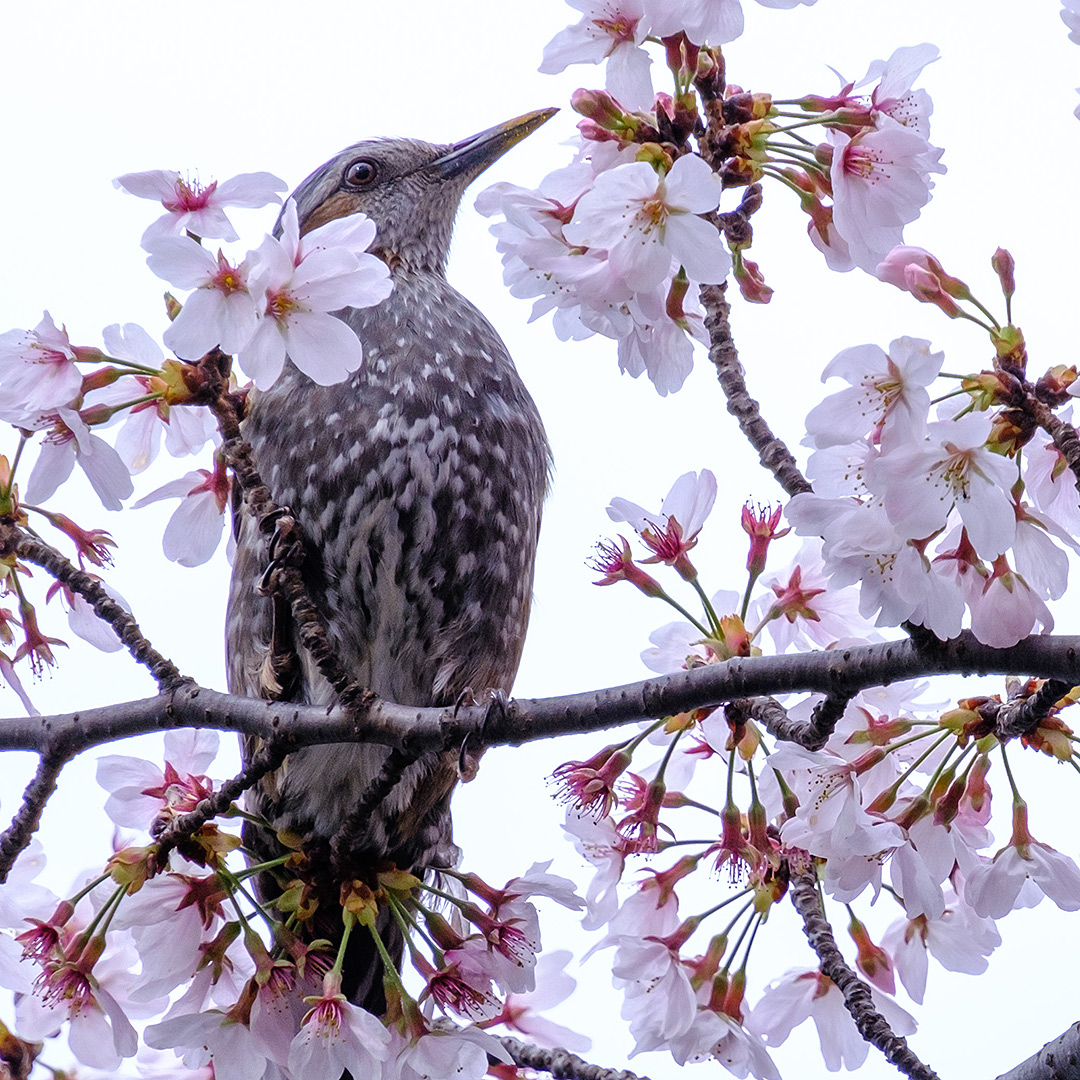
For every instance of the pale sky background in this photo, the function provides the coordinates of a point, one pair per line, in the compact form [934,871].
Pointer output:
[93,90]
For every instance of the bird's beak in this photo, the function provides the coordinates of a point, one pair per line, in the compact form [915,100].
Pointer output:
[473,155]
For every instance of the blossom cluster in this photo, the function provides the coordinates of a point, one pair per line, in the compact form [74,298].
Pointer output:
[936,519]
[238,989]
[273,302]
[618,242]
[896,804]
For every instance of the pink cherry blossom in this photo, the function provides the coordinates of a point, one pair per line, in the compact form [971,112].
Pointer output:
[220,312]
[993,889]
[960,940]
[674,531]
[893,98]
[880,182]
[523,1012]
[599,841]
[177,787]
[298,282]
[611,30]
[645,221]
[37,370]
[809,995]
[68,442]
[916,271]
[197,208]
[336,1036]
[212,1036]
[920,484]
[713,21]
[887,394]
[194,530]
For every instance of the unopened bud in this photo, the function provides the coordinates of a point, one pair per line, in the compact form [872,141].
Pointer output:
[1004,266]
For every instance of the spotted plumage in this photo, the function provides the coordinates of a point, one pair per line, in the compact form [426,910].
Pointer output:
[418,484]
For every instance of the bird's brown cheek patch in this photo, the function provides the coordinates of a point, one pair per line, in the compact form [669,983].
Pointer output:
[340,204]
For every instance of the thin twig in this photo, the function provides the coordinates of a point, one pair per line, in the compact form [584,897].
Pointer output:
[1021,715]
[873,1027]
[266,760]
[1063,433]
[561,1063]
[286,578]
[36,551]
[774,718]
[16,837]
[772,451]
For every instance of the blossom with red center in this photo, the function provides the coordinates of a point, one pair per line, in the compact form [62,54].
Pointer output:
[469,994]
[611,30]
[880,181]
[649,223]
[194,530]
[672,533]
[221,311]
[617,564]
[590,785]
[195,207]
[37,370]
[760,526]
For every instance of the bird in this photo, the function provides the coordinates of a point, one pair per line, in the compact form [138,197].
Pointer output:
[417,485]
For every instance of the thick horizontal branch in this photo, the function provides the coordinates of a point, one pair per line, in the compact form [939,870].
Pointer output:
[1059,1059]
[838,673]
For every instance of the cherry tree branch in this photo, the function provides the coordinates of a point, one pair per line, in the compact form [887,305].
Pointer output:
[772,451]
[561,1064]
[1059,1059]
[24,545]
[839,673]
[285,551]
[873,1027]
[16,837]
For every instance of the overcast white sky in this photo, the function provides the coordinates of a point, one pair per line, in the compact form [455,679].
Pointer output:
[92,90]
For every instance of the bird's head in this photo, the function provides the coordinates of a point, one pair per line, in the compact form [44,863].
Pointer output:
[409,189]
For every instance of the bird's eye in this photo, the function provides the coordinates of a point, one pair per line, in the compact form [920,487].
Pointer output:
[360,173]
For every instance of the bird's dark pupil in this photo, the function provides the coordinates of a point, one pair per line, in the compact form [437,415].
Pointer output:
[361,172]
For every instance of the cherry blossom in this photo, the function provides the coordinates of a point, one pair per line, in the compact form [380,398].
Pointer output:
[645,220]
[186,429]
[993,889]
[803,995]
[916,271]
[197,208]
[298,282]
[524,1012]
[712,21]
[611,30]
[887,394]
[893,96]
[337,1036]
[212,1036]
[194,530]
[880,182]
[139,790]
[921,483]
[462,1054]
[599,841]
[220,312]
[960,940]
[37,370]
[673,532]
[69,441]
